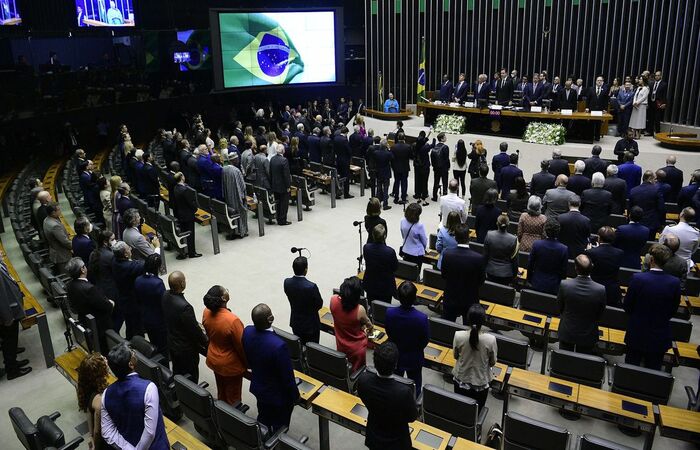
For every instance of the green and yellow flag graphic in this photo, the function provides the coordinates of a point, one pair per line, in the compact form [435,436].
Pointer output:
[421,72]
[256,50]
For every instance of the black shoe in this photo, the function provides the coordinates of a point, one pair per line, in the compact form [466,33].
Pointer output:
[18,372]
[349,196]
[338,197]
[284,223]
[20,350]
[195,255]
[401,202]
[386,207]
[425,203]
[181,257]
[416,196]
[434,199]
[22,362]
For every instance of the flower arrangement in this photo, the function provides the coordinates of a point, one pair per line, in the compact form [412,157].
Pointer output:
[453,124]
[545,133]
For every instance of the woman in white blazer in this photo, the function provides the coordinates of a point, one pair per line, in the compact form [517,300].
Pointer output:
[639,111]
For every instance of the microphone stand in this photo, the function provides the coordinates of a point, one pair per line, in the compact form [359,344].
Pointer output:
[361,257]
[299,251]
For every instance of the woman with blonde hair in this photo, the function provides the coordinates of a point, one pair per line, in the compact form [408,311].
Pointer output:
[92,381]
[477,157]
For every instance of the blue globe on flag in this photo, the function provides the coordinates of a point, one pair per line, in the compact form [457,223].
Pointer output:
[273,55]
[421,77]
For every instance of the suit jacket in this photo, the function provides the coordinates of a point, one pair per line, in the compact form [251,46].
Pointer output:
[125,273]
[123,203]
[461,91]
[570,102]
[408,329]
[631,173]
[547,265]
[648,197]
[85,298]
[661,91]
[341,147]
[149,181]
[651,301]
[89,188]
[100,271]
[674,177]
[11,305]
[618,188]
[280,176]
[82,247]
[575,232]
[273,381]
[582,302]
[141,249]
[578,183]
[261,166]
[464,270]
[382,163]
[498,162]
[150,290]
[630,239]
[598,102]
[314,144]
[559,166]
[482,93]
[391,406]
[541,182]
[485,221]
[402,158]
[185,205]
[508,175]
[607,261]
[504,91]
[685,196]
[60,247]
[596,204]
[305,301]
[477,189]
[594,164]
[500,250]
[185,335]
[380,265]
[446,90]
[556,201]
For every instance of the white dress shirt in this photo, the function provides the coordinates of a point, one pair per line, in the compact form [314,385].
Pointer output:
[688,237]
[452,202]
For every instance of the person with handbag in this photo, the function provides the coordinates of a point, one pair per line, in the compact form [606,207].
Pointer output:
[414,236]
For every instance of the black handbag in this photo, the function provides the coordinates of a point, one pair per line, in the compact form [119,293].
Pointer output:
[401,253]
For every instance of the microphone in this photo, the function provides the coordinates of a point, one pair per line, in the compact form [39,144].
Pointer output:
[357,223]
[296,250]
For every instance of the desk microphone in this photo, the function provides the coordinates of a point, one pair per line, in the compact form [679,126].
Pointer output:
[357,223]
[297,250]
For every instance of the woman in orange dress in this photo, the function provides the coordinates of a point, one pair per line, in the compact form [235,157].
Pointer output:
[225,355]
[351,322]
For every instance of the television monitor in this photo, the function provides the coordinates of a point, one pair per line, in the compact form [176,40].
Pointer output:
[197,45]
[104,13]
[181,57]
[263,48]
[9,14]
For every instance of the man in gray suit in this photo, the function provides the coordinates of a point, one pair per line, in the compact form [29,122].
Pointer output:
[141,248]
[261,168]
[479,186]
[581,304]
[281,181]
[556,200]
[60,248]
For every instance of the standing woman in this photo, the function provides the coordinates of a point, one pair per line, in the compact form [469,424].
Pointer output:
[531,224]
[446,235]
[477,157]
[501,252]
[372,219]
[225,355]
[92,381]
[106,201]
[639,108]
[517,199]
[414,237]
[459,160]
[351,323]
[475,353]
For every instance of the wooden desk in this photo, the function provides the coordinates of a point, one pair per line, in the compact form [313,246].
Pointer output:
[679,424]
[685,141]
[308,388]
[541,388]
[381,115]
[334,405]
[200,216]
[420,431]
[464,444]
[517,319]
[434,357]
[688,354]
[425,295]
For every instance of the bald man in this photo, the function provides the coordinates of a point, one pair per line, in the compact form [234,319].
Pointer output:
[273,382]
[556,200]
[674,177]
[186,337]
[676,265]
[582,302]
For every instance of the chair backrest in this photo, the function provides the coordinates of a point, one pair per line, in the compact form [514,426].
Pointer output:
[432,241]
[26,431]
[140,344]
[237,429]
[577,367]
[590,442]
[113,339]
[294,347]
[433,278]
[443,331]
[513,352]
[523,433]
[625,275]
[328,365]
[681,329]
[523,259]
[197,404]
[477,247]
[407,271]
[639,382]
[450,412]
[615,220]
[497,293]
[471,221]
[539,302]
[148,369]
[615,318]
[692,283]
[287,442]
[571,269]
[204,201]
[379,312]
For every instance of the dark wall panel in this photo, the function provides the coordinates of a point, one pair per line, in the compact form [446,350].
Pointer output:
[578,38]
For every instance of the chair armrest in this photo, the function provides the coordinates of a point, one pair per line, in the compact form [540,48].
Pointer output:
[274,439]
[55,415]
[692,397]
[530,354]
[482,416]
[203,384]
[356,374]
[73,444]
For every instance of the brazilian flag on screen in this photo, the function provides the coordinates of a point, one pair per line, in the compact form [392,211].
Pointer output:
[256,50]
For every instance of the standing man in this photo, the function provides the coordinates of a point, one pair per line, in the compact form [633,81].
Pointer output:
[631,238]
[626,144]
[542,181]
[594,163]
[11,312]
[499,161]
[674,177]
[481,88]
[446,89]
[558,165]
[630,172]
[127,308]
[687,235]
[272,383]
[567,98]
[582,302]
[60,247]
[461,89]
[504,89]
[596,202]
[578,182]
[440,160]
[452,202]
[149,182]
[575,228]
[281,181]
[532,95]
[478,187]
[598,99]
[657,105]
[343,154]
[625,97]
[553,93]
[464,270]
[508,175]
[648,197]
[607,260]
[556,200]
[618,188]
[651,301]
[185,209]
[186,337]
[382,158]
[401,166]
[305,302]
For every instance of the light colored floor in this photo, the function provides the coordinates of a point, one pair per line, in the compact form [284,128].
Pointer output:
[253,270]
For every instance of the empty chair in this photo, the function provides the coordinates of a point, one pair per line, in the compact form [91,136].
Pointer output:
[44,434]
[171,233]
[433,278]
[240,431]
[451,412]
[513,352]
[443,331]
[615,318]
[692,283]
[523,259]
[539,302]
[497,293]
[681,329]
[379,312]
[432,241]
[294,347]
[286,442]
[523,433]
[204,201]
[198,405]
[577,367]
[590,442]
[162,377]
[640,382]
[226,217]
[407,271]
[331,367]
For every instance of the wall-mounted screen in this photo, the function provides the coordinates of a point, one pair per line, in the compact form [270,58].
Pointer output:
[276,48]
[9,14]
[194,47]
[104,13]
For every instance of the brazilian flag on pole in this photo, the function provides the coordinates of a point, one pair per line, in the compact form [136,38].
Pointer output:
[380,90]
[256,50]
[421,72]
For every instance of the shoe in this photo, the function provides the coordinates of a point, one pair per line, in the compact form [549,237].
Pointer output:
[416,196]
[181,257]
[425,203]
[22,362]
[284,223]
[338,197]
[195,255]
[349,196]
[20,350]
[402,202]
[386,207]
[434,199]
[396,201]
[19,372]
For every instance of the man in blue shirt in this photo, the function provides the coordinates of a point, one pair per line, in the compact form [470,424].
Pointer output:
[630,172]
[408,329]
[391,105]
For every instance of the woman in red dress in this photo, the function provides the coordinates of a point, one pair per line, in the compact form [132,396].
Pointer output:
[351,322]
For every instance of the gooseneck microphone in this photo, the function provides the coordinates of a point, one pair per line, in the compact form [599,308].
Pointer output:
[297,250]
[358,223]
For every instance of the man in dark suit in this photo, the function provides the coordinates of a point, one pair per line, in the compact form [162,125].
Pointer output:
[343,154]
[630,172]
[446,89]
[88,186]
[631,238]
[607,261]
[558,165]
[305,301]
[499,161]
[578,182]
[273,383]
[461,89]
[85,298]
[581,304]
[658,99]
[440,160]
[56,236]
[481,88]
[185,207]
[381,159]
[401,166]
[596,202]
[594,163]
[281,181]
[149,181]
[568,98]
[186,337]
[508,175]
[504,89]
[546,266]
[648,197]
[314,144]
[651,301]
[127,308]
[575,228]
[542,180]
[553,93]
[598,99]
[356,141]
[464,270]
[618,188]
[380,265]
[390,403]
[674,177]
[479,186]
[11,313]
[532,95]
[408,329]
[686,194]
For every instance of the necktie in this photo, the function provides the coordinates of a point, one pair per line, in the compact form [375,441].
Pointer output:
[598,93]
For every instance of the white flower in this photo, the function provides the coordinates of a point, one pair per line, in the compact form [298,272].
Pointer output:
[545,133]
[450,124]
